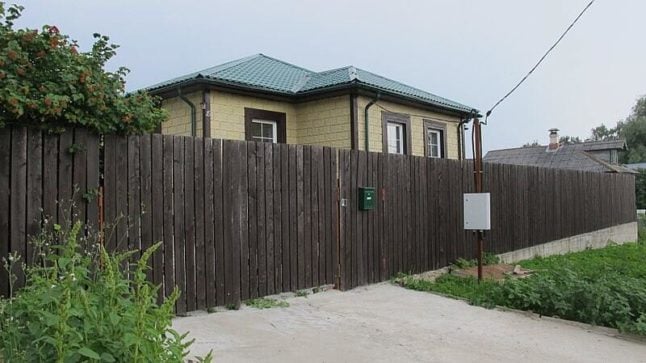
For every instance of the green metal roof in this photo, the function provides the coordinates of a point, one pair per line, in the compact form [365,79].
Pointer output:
[263,73]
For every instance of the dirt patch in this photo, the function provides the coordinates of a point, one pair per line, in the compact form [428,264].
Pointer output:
[494,272]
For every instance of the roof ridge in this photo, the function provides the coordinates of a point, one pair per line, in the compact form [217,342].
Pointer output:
[283,62]
[333,70]
[227,65]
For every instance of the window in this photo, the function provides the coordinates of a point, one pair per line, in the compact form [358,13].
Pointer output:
[265,126]
[395,138]
[264,131]
[396,133]
[434,133]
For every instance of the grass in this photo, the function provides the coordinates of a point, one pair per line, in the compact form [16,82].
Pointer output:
[266,303]
[302,293]
[603,287]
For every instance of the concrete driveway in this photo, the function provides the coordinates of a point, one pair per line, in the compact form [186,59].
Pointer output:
[386,323]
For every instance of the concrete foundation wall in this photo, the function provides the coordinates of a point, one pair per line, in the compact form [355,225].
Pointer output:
[620,234]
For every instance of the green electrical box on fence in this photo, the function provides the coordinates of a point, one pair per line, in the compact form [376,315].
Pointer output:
[366,198]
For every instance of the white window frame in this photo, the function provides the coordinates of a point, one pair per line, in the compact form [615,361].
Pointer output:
[274,124]
[430,147]
[402,135]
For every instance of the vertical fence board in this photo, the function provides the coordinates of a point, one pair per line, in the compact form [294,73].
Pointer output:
[145,198]
[5,213]
[218,222]
[156,208]
[209,260]
[201,199]
[260,268]
[252,278]
[34,188]
[269,220]
[277,217]
[18,197]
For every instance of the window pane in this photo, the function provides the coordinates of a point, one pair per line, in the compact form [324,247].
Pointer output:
[256,130]
[268,131]
[395,138]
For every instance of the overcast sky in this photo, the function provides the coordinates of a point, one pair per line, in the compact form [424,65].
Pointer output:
[467,50]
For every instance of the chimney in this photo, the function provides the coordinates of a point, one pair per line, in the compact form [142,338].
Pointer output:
[554,139]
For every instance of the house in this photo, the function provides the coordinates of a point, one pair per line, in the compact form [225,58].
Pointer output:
[636,166]
[601,156]
[265,99]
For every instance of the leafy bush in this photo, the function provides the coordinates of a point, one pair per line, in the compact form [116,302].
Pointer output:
[47,83]
[82,303]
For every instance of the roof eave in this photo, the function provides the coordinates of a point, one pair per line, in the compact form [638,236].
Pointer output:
[170,90]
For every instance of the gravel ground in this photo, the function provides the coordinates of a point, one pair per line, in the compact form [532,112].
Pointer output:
[386,323]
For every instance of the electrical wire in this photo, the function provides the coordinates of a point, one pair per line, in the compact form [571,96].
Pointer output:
[539,61]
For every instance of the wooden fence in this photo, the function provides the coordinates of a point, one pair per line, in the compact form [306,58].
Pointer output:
[239,220]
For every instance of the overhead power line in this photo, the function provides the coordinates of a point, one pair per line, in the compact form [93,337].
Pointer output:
[540,60]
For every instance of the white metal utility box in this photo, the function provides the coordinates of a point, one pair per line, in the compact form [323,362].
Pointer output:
[477,211]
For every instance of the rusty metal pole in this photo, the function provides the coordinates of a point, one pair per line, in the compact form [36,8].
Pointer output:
[477,178]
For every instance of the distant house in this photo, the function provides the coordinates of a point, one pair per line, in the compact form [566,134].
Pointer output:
[601,156]
[265,99]
[636,166]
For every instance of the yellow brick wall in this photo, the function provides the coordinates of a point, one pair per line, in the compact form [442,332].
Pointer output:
[179,115]
[227,115]
[417,117]
[324,122]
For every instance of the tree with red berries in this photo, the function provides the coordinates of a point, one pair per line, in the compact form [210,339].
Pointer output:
[47,83]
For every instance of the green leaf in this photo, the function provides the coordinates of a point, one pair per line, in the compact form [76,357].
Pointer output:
[107,357]
[89,353]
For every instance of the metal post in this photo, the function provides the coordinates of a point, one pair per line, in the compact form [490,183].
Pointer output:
[477,178]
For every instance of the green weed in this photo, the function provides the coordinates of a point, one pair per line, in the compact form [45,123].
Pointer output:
[81,303]
[266,303]
[603,287]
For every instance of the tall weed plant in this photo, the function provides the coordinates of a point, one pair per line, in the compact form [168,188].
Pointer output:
[81,303]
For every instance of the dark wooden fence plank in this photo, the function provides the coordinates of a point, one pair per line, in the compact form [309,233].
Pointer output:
[5,213]
[93,174]
[250,280]
[34,188]
[109,189]
[18,197]
[218,221]
[121,193]
[209,224]
[189,222]
[133,190]
[260,267]
[277,217]
[79,175]
[145,197]
[285,205]
[157,208]
[269,219]
[201,199]
[307,219]
[179,240]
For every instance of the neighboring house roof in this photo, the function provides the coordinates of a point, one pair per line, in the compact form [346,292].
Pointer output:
[574,156]
[636,166]
[262,73]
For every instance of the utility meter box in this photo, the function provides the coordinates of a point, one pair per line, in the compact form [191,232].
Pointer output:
[367,196]
[477,211]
